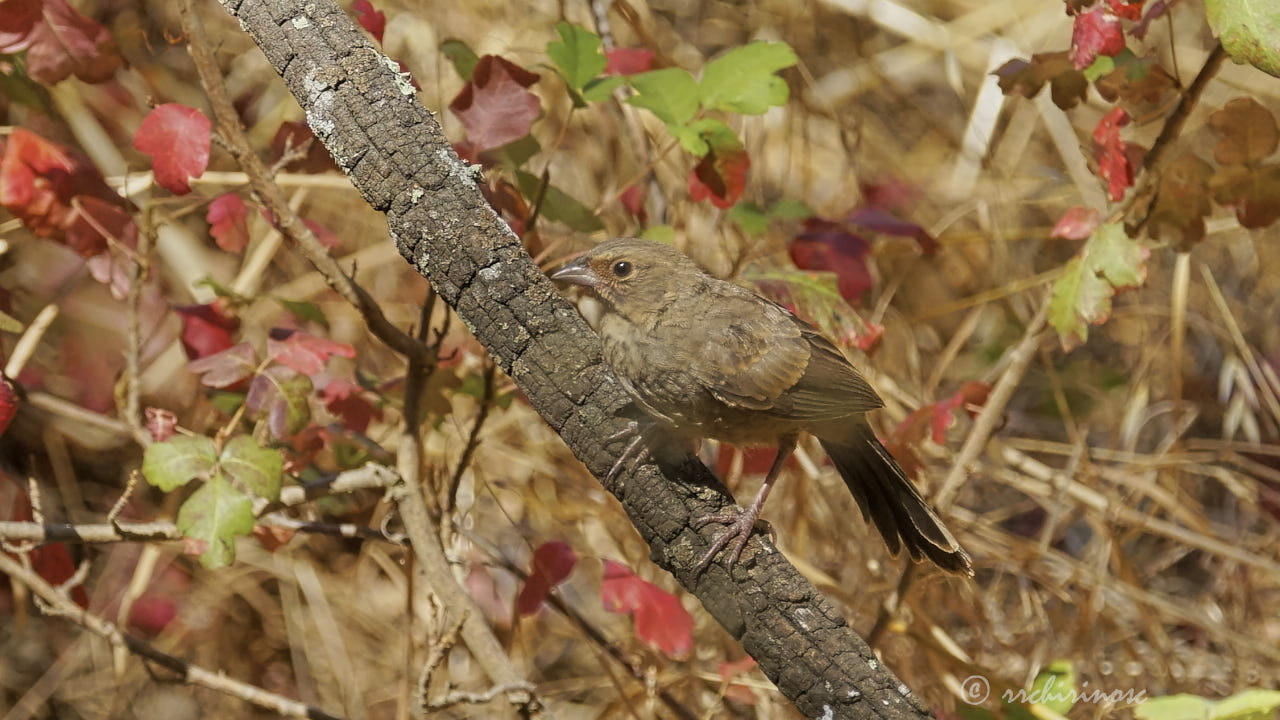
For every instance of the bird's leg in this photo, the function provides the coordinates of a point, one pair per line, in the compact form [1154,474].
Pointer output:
[741,523]
[633,449]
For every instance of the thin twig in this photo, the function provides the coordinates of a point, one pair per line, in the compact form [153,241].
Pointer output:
[228,123]
[473,439]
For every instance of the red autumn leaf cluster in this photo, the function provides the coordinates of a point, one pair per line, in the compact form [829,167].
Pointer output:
[58,194]
[552,563]
[58,40]
[933,420]
[661,620]
[177,139]
[830,246]
[496,107]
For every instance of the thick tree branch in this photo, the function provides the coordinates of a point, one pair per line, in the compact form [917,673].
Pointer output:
[367,115]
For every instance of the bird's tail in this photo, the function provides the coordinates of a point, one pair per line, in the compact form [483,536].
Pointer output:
[889,499]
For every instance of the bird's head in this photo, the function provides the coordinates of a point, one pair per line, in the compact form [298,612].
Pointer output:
[632,277]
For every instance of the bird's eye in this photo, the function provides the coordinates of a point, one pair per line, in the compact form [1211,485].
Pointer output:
[622,268]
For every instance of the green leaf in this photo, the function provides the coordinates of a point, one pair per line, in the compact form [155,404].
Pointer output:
[305,311]
[1055,687]
[215,514]
[790,210]
[255,468]
[660,233]
[462,56]
[1173,707]
[8,323]
[516,154]
[743,80]
[1247,705]
[1082,296]
[174,462]
[558,205]
[750,217]
[226,402]
[1249,31]
[577,55]
[701,136]
[1103,65]
[670,93]
[601,88]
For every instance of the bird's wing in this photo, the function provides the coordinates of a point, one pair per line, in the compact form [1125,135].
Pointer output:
[757,355]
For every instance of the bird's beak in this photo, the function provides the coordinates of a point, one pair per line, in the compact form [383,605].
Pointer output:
[578,272]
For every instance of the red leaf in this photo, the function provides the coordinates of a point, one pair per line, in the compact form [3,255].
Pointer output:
[633,200]
[152,613]
[59,41]
[888,194]
[720,176]
[177,139]
[661,620]
[206,329]
[628,61]
[17,18]
[160,423]
[506,199]
[304,352]
[1126,9]
[1077,223]
[729,670]
[830,246]
[94,222]
[552,563]
[323,234]
[294,135]
[375,21]
[973,393]
[35,182]
[227,222]
[495,108]
[1114,164]
[346,400]
[880,221]
[9,401]
[225,368]
[1096,32]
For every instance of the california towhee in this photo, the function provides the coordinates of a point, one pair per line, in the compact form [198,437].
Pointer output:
[708,358]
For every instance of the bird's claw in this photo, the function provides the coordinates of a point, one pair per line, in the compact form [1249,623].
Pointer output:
[632,451]
[734,538]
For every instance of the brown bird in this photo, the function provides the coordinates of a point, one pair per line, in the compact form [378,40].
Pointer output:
[706,358]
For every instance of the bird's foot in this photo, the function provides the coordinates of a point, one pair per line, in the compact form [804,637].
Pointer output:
[735,536]
[633,450]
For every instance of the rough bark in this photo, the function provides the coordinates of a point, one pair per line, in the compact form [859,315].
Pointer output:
[396,155]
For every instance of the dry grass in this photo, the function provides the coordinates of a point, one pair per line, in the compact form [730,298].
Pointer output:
[1111,524]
